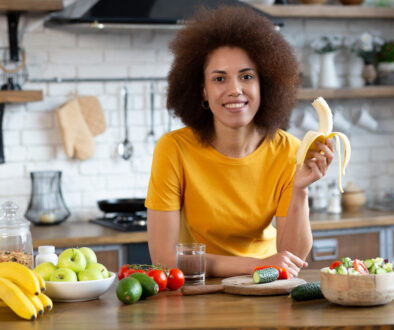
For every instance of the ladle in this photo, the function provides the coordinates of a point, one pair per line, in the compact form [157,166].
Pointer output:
[125,148]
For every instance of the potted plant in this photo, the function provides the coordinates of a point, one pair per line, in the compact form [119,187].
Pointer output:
[367,47]
[386,63]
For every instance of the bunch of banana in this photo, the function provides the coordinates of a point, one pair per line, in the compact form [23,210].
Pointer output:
[324,132]
[22,290]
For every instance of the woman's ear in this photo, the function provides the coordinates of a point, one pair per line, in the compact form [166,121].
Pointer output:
[204,94]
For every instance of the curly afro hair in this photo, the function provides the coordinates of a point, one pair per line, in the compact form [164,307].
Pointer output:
[231,26]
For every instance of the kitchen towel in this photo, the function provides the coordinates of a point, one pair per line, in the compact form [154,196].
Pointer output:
[77,137]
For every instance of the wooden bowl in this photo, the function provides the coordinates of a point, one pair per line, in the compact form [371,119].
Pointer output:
[351,2]
[313,2]
[358,290]
[353,201]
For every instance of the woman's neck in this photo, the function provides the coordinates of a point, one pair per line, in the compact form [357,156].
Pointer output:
[237,143]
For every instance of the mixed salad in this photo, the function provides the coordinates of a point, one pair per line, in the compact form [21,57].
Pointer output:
[359,267]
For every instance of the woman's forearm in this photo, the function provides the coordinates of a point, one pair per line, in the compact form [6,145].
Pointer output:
[297,234]
[226,266]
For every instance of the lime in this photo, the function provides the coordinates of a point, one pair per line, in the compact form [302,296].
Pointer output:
[129,290]
[149,286]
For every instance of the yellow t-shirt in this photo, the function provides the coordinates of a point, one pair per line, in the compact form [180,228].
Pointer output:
[226,203]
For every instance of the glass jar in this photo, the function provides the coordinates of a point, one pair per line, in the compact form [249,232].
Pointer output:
[15,237]
[46,206]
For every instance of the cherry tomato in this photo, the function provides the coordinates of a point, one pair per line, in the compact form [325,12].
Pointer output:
[360,267]
[159,277]
[283,272]
[335,264]
[122,270]
[175,279]
[132,271]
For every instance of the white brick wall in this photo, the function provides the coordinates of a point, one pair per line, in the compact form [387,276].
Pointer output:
[33,141]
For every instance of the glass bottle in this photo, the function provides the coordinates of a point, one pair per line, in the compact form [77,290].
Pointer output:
[334,199]
[46,206]
[15,238]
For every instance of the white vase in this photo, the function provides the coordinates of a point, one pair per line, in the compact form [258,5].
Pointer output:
[328,75]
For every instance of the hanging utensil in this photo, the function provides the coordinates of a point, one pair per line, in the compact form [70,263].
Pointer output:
[151,133]
[125,148]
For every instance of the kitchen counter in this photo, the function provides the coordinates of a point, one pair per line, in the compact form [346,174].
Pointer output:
[171,310]
[81,233]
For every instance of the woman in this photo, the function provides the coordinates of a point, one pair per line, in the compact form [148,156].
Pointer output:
[223,178]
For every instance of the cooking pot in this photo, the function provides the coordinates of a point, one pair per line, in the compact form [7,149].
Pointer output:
[122,205]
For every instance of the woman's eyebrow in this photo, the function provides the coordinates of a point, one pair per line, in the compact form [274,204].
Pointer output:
[224,72]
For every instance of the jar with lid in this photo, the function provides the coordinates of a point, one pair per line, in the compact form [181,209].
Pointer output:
[16,243]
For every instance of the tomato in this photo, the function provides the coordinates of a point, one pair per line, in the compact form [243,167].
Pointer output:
[132,271]
[160,278]
[283,272]
[335,264]
[122,270]
[360,267]
[175,279]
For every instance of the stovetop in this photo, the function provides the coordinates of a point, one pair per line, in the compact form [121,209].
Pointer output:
[123,221]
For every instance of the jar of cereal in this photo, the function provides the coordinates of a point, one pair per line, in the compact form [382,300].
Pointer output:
[16,243]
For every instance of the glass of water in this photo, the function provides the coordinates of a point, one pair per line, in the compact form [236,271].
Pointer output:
[190,259]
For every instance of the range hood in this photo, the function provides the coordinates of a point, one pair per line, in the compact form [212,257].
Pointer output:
[135,14]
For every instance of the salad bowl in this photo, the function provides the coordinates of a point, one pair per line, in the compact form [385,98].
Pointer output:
[357,290]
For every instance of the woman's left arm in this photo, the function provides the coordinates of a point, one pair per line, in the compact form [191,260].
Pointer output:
[294,231]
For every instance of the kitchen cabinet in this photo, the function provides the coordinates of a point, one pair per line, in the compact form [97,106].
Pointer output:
[357,243]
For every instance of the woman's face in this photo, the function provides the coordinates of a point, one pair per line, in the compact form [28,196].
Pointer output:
[232,87]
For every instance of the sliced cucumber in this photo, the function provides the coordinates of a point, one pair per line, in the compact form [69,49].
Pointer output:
[265,275]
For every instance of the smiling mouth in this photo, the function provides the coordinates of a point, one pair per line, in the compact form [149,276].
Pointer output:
[235,106]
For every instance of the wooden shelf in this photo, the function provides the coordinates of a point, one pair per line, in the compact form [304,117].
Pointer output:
[346,93]
[321,11]
[30,5]
[20,96]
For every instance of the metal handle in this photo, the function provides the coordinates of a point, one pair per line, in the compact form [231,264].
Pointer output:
[325,249]
[125,105]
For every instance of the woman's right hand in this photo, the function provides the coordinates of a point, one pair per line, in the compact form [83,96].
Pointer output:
[288,260]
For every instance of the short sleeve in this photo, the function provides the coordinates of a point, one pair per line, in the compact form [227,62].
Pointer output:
[285,197]
[166,180]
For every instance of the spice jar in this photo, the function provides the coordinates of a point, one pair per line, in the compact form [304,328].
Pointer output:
[16,242]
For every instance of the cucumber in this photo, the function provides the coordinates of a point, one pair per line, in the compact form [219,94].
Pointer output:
[307,291]
[265,275]
[149,286]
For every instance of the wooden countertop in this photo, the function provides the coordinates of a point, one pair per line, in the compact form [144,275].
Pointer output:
[171,310]
[81,233]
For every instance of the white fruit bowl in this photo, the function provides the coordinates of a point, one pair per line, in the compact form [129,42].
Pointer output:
[78,291]
[358,290]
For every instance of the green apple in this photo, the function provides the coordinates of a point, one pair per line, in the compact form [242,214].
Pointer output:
[90,275]
[64,275]
[89,254]
[99,267]
[72,259]
[45,270]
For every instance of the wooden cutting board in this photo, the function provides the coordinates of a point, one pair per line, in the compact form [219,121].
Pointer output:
[244,285]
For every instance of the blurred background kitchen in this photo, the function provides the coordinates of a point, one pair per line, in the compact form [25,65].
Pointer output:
[129,68]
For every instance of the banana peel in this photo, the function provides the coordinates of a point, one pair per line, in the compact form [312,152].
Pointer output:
[324,132]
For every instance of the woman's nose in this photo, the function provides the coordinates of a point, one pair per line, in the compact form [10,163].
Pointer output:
[235,88]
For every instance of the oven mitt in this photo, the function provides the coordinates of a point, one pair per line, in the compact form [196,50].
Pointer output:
[93,114]
[77,138]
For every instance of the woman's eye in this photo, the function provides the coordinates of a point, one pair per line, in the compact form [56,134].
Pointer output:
[247,76]
[219,79]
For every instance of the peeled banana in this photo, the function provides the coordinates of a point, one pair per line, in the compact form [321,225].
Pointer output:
[13,296]
[21,275]
[324,132]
